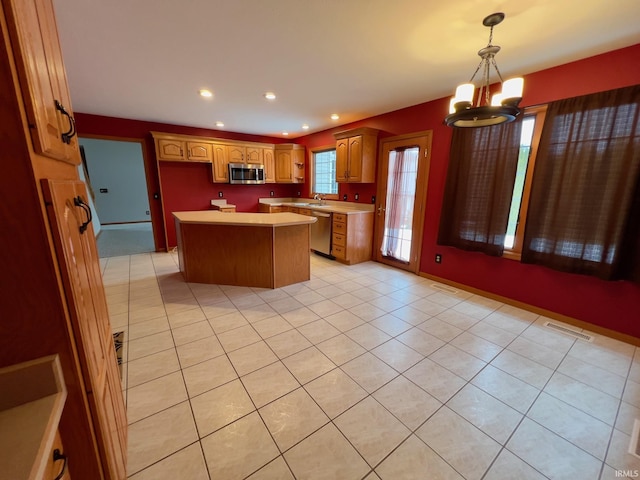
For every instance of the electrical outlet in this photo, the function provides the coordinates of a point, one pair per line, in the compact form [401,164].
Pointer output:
[147,212]
[271,193]
[356,196]
[298,193]
[344,197]
[438,258]
[220,194]
[373,199]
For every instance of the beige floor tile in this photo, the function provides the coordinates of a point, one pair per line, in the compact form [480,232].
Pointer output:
[191,333]
[577,394]
[148,327]
[300,316]
[436,380]
[271,326]
[397,355]
[344,320]
[335,392]
[511,319]
[493,334]
[340,349]
[158,436]
[550,454]
[239,449]
[152,366]
[292,418]
[490,415]
[427,306]
[208,375]
[506,388]
[252,357]
[155,395]
[368,336]
[226,322]
[459,362]
[325,455]
[542,335]
[369,372]
[372,430]
[284,305]
[476,346]
[149,345]
[408,402]
[259,312]
[626,416]
[448,434]
[186,317]
[318,331]
[391,325]
[221,406]
[346,300]
[411,315]
[596,377]
[308,297]
[618,456]
[457,319]
[276,470]
[477,306]
[269,383]
[187,463]
[526,370]
[413,460]
[420,341]
[584,431]
[287,343]
[509,467]
[325,308]
[199,351]
[217,309]
[440,329]
[308,364]
[632,393]
[367,312]
[142,314]
[238,338]
[536,352]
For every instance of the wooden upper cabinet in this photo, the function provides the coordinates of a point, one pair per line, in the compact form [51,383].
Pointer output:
[42,79]
[170,149]
[254,155]
[200,152]
[289,163]
[356,152]
[220,165]
[269,162]
[176,148]
[236,153]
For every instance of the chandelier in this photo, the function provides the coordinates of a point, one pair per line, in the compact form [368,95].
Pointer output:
[502,107]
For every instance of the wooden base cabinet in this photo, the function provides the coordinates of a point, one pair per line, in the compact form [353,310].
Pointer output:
[53,300]
[352,237]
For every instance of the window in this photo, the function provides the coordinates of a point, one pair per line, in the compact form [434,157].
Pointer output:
[530,136]
[323,176]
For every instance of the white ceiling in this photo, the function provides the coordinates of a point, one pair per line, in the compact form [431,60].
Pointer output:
[147,59]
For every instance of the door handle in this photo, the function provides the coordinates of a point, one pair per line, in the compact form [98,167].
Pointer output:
[380,210]
[68,135]
[78,202]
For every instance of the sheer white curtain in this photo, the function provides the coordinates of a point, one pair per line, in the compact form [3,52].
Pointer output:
[401,192]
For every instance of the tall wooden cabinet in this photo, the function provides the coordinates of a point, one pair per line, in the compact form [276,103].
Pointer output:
[289,163]
[52,299]
[356,155]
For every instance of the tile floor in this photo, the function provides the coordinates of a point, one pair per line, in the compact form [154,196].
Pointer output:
[361,372]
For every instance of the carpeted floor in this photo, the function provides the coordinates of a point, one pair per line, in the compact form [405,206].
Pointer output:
[125,239]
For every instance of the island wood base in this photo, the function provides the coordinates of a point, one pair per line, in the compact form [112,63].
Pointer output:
[246,255]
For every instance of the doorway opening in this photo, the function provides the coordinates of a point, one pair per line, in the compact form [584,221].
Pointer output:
[402,186]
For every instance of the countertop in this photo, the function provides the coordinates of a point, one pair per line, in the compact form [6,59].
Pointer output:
[330,206]
[243,219]
[33,396]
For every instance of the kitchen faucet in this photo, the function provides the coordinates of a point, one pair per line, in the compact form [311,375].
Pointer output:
[320,197]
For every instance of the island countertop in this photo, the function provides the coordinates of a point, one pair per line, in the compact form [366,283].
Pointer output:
[242,218]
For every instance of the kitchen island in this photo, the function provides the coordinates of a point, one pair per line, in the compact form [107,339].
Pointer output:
[247,249]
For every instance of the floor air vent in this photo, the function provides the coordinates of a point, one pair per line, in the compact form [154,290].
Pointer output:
[444,288]
[634,446]
[568,331]
[118,342]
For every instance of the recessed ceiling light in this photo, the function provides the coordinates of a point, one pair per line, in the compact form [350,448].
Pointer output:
[335,116]
[206,93]
[270,96]
[285,133]
[305,127]
[219,124]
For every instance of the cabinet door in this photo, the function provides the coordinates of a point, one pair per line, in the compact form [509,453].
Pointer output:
[220,163]
[342,160]
[354,172]
[43,79]
[84,292]
[269,165]
[284,166]
[254,155]
[169,149]
[236,154]
[199,152]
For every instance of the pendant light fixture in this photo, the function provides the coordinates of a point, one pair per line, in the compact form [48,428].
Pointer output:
[502,107]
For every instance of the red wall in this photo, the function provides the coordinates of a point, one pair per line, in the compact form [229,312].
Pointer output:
[612,305]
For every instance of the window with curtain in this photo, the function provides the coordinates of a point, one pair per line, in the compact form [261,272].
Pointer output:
[584,207]
[479,187]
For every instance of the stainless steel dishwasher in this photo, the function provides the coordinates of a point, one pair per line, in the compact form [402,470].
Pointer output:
[321,233]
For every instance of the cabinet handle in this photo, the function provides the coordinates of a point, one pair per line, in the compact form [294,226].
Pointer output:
[57,455]
[69,134]
[78,202]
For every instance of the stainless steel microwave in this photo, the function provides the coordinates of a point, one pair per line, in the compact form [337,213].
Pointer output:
[246,173]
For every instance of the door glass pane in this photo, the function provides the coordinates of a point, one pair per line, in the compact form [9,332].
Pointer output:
[324,172]
[401,192]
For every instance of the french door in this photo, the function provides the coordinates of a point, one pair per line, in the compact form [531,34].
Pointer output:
[403,172]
